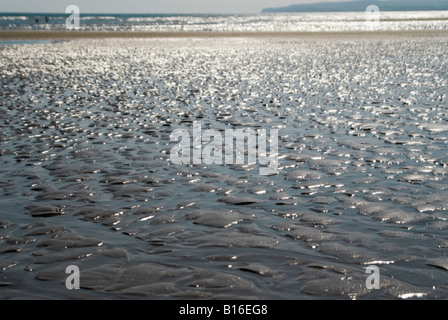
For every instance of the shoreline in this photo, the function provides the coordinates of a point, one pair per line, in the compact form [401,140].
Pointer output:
[347,35]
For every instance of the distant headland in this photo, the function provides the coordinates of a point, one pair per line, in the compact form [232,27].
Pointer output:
[361,5]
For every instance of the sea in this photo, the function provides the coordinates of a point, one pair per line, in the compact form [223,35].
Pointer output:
[287,22]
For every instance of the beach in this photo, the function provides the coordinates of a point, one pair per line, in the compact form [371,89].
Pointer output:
[87,177]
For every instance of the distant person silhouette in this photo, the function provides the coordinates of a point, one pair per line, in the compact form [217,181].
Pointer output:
[37,20]
[47,19]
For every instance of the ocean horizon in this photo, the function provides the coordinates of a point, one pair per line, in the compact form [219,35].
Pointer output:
[262,22]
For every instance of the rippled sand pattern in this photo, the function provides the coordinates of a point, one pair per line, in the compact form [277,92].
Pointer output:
[86,176]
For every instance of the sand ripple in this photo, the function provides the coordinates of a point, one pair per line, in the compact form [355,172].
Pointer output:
[87,178]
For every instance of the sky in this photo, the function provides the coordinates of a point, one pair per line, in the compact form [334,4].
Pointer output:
[153,6]
[148,6]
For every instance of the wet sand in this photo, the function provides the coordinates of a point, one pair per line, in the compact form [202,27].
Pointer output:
[86,176]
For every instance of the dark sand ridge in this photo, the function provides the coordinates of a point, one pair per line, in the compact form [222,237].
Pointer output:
[358,35]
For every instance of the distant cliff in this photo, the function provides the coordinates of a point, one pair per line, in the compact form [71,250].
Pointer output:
[347,6]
